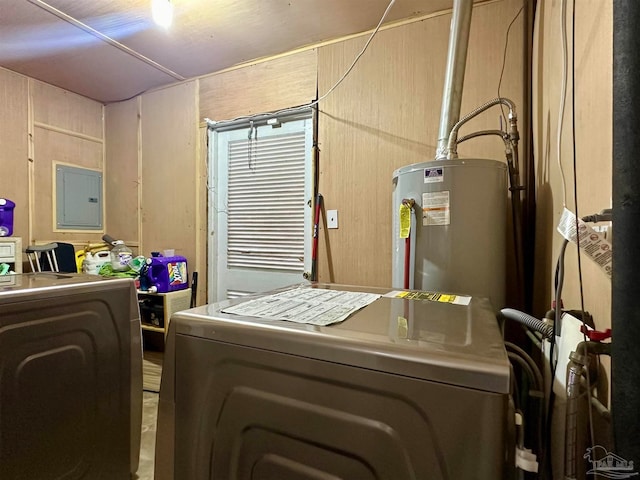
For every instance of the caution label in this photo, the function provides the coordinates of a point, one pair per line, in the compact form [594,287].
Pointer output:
[592,243]
[431,296]
[405,221]
[435,208]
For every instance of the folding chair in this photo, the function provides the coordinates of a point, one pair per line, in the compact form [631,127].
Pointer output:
[36,252]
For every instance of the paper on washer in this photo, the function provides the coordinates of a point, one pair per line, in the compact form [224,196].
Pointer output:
[313,306]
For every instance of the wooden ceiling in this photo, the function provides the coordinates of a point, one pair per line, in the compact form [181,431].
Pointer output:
[110,50]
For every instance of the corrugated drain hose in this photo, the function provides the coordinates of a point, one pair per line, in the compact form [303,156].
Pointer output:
[529,321]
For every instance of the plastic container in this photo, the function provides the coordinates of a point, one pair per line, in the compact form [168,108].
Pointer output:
[138,264]
[121,255]
[93,262]
[166,274]
[6,217]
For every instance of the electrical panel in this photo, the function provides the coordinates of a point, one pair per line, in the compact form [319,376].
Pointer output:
[78,198]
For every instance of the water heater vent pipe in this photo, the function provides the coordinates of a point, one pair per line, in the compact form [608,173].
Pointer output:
[454,75]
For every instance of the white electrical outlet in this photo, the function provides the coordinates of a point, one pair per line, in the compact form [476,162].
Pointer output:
[332,218]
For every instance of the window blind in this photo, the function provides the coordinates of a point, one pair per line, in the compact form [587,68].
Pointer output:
[265,203]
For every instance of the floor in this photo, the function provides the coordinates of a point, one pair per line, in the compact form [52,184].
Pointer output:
[151,372]
[148,439]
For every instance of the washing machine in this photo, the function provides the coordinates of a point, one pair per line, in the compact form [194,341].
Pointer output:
[70,377]
[410,386]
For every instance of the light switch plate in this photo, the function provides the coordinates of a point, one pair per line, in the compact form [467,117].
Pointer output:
[332,218]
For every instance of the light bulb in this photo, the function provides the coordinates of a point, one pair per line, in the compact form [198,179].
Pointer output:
[162,11]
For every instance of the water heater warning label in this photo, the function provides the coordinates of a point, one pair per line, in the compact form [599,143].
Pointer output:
[591,242]
[431,296]
[435,208]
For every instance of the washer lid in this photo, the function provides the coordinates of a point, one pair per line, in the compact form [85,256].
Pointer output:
[443,342]
[49,284]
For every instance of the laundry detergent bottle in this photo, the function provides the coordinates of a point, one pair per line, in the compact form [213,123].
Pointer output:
[166,274]
[121,255]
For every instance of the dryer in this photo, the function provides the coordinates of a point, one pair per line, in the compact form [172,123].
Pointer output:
[70,377]
[401,389]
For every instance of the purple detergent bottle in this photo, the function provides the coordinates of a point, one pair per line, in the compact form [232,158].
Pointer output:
[6,217]
[167,274]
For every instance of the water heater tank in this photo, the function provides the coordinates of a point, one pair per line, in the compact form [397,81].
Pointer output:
[458,229]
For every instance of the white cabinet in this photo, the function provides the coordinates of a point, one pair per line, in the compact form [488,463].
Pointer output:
[11,252]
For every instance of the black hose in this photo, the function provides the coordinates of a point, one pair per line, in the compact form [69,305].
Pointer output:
[535,339]
[537,378]
[532,364]
[525,368]
[526,319]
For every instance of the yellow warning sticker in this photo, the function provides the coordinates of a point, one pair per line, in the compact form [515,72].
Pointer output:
[403,327]
[431,296]
[405,220]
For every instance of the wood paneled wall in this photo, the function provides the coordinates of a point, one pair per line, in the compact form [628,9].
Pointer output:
[385,115]
[122,170]
[14,148]
[593,149]
[201,206]
[593,143]
[263,87]
[58,108]
[68,129]
[169,146]
[152,168]
[43,125]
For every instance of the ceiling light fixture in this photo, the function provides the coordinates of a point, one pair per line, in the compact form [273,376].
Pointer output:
[162,11]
